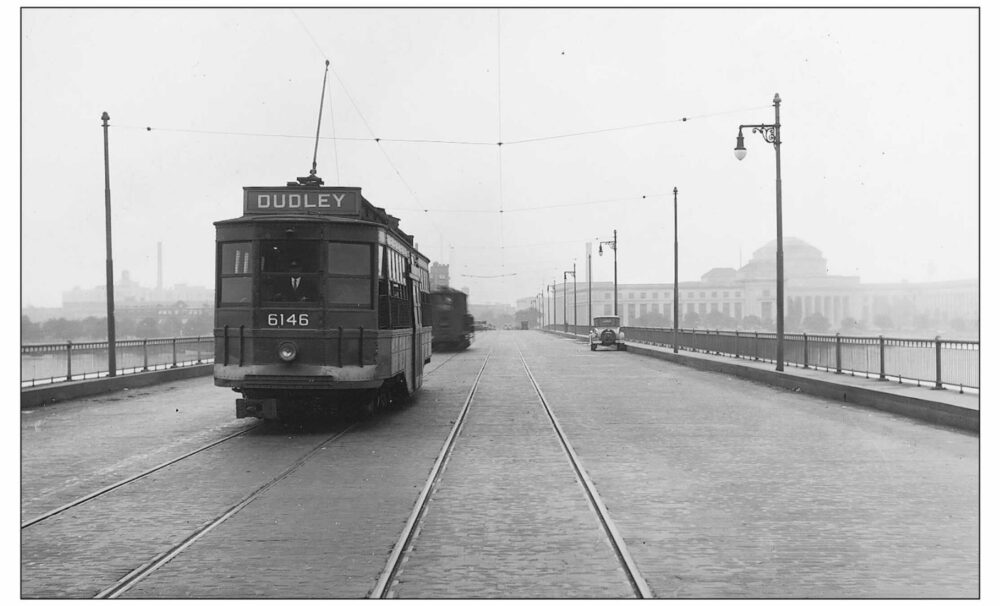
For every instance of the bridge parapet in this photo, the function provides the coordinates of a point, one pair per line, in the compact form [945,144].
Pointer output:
[939,363]
[48,363]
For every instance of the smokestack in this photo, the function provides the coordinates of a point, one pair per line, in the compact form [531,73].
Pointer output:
[159,268]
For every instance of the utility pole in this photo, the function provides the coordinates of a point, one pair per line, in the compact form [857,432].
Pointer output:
[109,265]
[590,306]
[676,294]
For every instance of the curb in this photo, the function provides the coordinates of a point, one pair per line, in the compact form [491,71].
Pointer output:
[44,395]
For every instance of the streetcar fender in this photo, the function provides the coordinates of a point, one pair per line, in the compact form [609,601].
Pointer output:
[352,374]
[261,408]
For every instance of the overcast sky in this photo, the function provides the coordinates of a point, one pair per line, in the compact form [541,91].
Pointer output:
[879,152]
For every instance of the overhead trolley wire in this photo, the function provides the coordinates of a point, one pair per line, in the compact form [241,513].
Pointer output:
[376,139]
[371,131]
[499,144]
[638,197]
[500,140]
[631,126]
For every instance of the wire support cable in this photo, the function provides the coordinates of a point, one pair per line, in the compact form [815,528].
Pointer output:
[491,211]
[632,126]
[430,141]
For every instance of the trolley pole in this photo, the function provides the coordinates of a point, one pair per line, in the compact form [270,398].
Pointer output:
[109,264]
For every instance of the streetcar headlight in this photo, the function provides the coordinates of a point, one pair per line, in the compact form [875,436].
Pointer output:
[287,351]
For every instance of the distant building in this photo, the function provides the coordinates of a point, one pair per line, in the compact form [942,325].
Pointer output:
[439,276]
[530,302]
[495,313]
[133,299]
[745,296]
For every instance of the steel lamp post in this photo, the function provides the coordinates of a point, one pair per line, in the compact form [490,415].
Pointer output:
[676,294]
[613,243]
[565,317]
[772,134]
[109,263]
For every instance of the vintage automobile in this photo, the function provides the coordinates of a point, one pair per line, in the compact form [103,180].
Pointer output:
[606,331]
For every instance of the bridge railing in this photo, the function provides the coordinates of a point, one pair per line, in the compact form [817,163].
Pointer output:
[937,362]
[54,362]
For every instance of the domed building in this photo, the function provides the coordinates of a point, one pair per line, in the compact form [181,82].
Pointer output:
[802,260]
[727,298]
[809,287]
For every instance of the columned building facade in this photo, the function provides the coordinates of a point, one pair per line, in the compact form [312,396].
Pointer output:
[745,298]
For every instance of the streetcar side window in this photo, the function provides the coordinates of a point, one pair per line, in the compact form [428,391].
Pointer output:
[426,315]
[235,283]
[394,300]
[349,275]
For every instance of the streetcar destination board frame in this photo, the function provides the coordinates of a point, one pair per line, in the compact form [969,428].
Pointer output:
[342,201]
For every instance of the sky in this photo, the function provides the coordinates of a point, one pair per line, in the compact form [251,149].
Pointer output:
[601,114]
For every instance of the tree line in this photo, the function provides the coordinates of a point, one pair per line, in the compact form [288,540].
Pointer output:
[96,328]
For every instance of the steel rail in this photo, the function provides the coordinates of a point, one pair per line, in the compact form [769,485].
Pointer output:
[381,588]
[448,359]
[129,480]
[132,578]
[143,474]
[635,579]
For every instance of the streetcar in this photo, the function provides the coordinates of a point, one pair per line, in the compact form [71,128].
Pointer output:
[453,327]
[321,300]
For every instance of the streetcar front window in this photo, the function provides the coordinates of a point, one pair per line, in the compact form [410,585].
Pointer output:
[301,256]
[348,292]
[349,259]
[290,271]
[235,284]
[235,258]
[235,291]
[349,275]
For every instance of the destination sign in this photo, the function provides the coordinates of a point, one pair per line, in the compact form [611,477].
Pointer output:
[280,200]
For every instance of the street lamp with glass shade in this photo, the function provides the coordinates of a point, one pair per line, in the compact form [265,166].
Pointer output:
[740,151]
[772,134]
[613,243]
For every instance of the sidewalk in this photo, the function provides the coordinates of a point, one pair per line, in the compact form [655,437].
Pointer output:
[940,406]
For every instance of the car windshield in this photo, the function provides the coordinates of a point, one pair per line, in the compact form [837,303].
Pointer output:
[611,322]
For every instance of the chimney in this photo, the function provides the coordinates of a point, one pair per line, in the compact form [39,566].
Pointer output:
[159,268]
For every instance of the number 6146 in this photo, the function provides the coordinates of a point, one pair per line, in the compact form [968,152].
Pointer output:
[288,319]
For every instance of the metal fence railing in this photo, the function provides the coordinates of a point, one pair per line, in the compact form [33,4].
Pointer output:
[936,362]
[55,362]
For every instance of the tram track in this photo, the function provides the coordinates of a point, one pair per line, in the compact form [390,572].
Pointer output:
[151,565]
[106,489]
[451,357]
[138,574]
[179,544]
[138,476]
[384,586]
[639,585]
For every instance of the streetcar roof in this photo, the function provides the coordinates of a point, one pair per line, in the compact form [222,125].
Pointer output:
[295,203]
